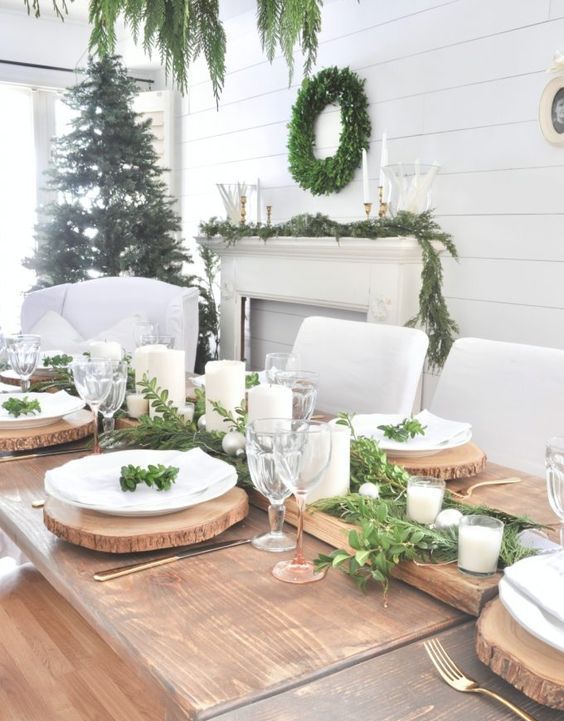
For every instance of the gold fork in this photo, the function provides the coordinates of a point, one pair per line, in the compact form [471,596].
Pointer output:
[450,673]
[499,482]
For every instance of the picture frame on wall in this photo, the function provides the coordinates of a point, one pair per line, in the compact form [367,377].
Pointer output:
[551,111]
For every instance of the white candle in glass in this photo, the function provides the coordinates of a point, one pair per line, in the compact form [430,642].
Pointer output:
[137,405]
[424,499]
[141,359]
[479,544]
[109,350]
[383,159]
[336,479]
[269,401]
[365,186]
[187,411]
[225,384]
[167,367]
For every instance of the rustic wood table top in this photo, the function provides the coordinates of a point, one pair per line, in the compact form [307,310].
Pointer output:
[223,638]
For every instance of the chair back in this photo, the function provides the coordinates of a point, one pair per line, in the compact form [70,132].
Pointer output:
[363,367]
[512,394]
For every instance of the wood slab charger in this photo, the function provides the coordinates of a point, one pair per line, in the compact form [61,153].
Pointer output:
[38,377]
[462,462]
[71,428]
[521,659]
[119,534]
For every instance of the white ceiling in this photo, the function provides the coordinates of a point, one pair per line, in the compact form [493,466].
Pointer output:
[77,10]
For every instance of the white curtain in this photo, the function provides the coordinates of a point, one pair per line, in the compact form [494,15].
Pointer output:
[17,200]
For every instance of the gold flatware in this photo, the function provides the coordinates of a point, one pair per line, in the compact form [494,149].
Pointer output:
[499,482]
[29,456]
[145,565]
[37,504]
[455,678]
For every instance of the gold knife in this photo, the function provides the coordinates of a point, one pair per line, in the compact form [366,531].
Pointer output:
[144,565]
[28,456]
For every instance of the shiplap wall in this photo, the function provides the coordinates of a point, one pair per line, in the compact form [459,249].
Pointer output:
[457,81]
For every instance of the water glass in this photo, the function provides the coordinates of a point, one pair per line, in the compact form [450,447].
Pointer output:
[93,380]
[114,400]
[157,339]
[276,362]
[479,544]
[303,385]
[554,462]
[23,356]
[302,451]
[260,460]
[144,327]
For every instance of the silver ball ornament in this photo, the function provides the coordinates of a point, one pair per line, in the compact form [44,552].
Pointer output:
[370,490]
[202,423]
[232,442]
[448,518]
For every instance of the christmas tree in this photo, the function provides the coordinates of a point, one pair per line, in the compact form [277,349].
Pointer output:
[112,215]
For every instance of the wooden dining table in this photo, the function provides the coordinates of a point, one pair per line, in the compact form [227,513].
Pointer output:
[216,636]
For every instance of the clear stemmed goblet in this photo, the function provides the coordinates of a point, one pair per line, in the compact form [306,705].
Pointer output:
[302,451]
[93,380]
[554,462]
[114,400]
[260,459]
[23,356]
[276,362]
[303,385]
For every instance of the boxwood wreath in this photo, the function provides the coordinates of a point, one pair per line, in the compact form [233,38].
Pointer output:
[433,315]
[323,176]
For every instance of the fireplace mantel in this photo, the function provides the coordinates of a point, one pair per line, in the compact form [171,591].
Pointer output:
[380,278]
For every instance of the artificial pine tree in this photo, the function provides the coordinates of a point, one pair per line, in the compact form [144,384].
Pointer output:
[112,215]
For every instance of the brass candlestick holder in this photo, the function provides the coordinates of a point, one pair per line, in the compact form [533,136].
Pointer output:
[243,209]
[382,205]
[269,214]
[367,209]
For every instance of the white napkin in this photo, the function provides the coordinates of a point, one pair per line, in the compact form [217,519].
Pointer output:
[52,405]
[439,431]
[541,579]
[94,480]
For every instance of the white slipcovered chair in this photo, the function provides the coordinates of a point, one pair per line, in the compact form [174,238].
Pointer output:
[94,306]
[512,394]
[363,367]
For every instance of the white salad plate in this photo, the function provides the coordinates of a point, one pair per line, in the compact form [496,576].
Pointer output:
[54,406]
[532,618]
[407,452]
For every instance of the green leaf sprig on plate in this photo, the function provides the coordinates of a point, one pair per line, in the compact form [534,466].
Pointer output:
[22,406]
[62,360]
[159,476]
[402,432]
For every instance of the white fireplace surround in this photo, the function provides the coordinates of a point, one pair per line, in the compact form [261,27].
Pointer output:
[379,278]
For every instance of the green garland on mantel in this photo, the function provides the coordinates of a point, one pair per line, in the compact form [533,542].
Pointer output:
[433,315]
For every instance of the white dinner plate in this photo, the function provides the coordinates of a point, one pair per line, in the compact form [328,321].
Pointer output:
[53,408]
[460,440]
[531,617]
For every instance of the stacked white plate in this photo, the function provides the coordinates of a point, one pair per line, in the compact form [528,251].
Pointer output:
[92,482]
[532,591]
[54,406]
[440,434]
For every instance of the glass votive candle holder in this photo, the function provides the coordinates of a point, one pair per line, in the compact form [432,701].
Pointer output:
[479,544]
[160,339]
[137,405]
[187,411]
[424,499]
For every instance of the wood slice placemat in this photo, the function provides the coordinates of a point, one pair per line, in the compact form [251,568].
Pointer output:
[70,428]
[462,462]
[119,534]
[12,379]
[521,659]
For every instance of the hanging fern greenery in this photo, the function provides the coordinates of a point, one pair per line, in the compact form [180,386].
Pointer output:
[323,176]
[181,30]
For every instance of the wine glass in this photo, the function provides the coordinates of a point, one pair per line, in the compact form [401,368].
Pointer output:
[93,380]
[114,400]
[144,327]
[303,385]
[554,462]
[23,355]
[275,362]
[302,450]
[260,459]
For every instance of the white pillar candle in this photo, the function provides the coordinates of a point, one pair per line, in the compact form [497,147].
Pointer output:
[337,477]
[225,384]
[168,368]
[479,547]
[365,187]
[141,359]
[109,350]
[269,401]
[383,159]
[424,500]
[137,405]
